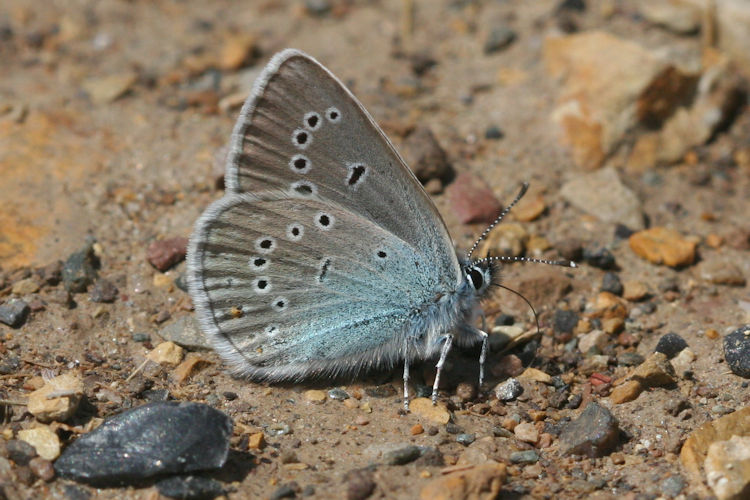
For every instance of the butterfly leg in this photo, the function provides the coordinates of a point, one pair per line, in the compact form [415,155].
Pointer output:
[443,354]
[483,357]
[406,374]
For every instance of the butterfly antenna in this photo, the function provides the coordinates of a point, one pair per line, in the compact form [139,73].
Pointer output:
[505,258]
[524,188]
[536,316]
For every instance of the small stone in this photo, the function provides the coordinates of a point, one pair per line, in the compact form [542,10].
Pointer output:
[720,270]
[14,313]
[284,491]
[338,394]
[154,439]
[727,468]
[535,375]
[507,239]
[318,7]
[256,441]
[480,482]
[167,353]
[466,391]
[237,51]
[670,345]
[426,157]
[611,283]
[737,351]
[25,287]
[51,274]
[472,200]
[402,455]
[681,363]
[528,209]
[565,321]
[656,371]
[526,431]
[508,390]
[315,396]
[381,391]
[80,270]
[499,38]
[465,439]
[493,132]
[359,484]
[599,257]
[595,339]
[163,281]
[612,326]
[190,487]
[630,359]
[524,457]
[634,290]
[42,468]
[678,17]
[108,88]
[192,363]
[20,451]
[626,392]
[163,254]
[416,429]
[423,407]
[45,442]
[104,291]
[185,332]
[570,248]
[57,400]
[660,245]
[603,195]
[594,433]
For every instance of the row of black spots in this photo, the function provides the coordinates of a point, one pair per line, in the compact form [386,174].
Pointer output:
[324,220]
[262,285]
[302,137]
[258,263]
[357,173]
[265,245]
[295,231]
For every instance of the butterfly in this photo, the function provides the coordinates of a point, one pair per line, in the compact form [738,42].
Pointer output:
[326,256]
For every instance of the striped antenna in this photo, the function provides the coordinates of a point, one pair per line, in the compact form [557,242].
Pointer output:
[504,258]
[524,188]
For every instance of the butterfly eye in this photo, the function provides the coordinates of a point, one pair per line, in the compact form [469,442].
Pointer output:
[312,121]
[476,277]
[300,164]
[333,115]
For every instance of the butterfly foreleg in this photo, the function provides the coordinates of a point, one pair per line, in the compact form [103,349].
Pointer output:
[406,373]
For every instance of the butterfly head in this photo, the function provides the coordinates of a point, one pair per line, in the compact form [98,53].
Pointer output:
[480,274]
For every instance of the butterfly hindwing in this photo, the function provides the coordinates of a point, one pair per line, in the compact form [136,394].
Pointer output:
[288,286]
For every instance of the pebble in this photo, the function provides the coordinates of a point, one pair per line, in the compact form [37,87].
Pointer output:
[190,487]
[284,491]
[493,132]
[570,248]
[720,270]
[14,313]
[360,484]
[630,359]
[452,428]
[737,351]
[599,257]
[108,88]
[104,291]
[634,290]
[466,391]
[526,431]
[508,390]
[603,195]
[499,38]
[167,353]
[594,433]
[157,438]
[727,467]
[426,157]
[565,321]
[416,429]
[184,331]
[472,200]
[164,254]
[51,274]
[318,7]
[256,441]
[57,400]
[595,339]
[535,375]
[402,455]
[679,17]
[237,51]
[20,451]
[661,245]
[381,391]
[423,407]
[80,270]
[338,394]
[42,468]
[611,283]
[465,438]
[670,345]
[524,457]
[315,396]
[656,371]
[482,481]
[25,286]
[507,239]
[44,440]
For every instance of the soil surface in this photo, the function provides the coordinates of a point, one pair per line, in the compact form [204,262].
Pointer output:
[114,125]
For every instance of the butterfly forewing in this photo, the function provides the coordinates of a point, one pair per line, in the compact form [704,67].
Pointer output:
[302,131]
